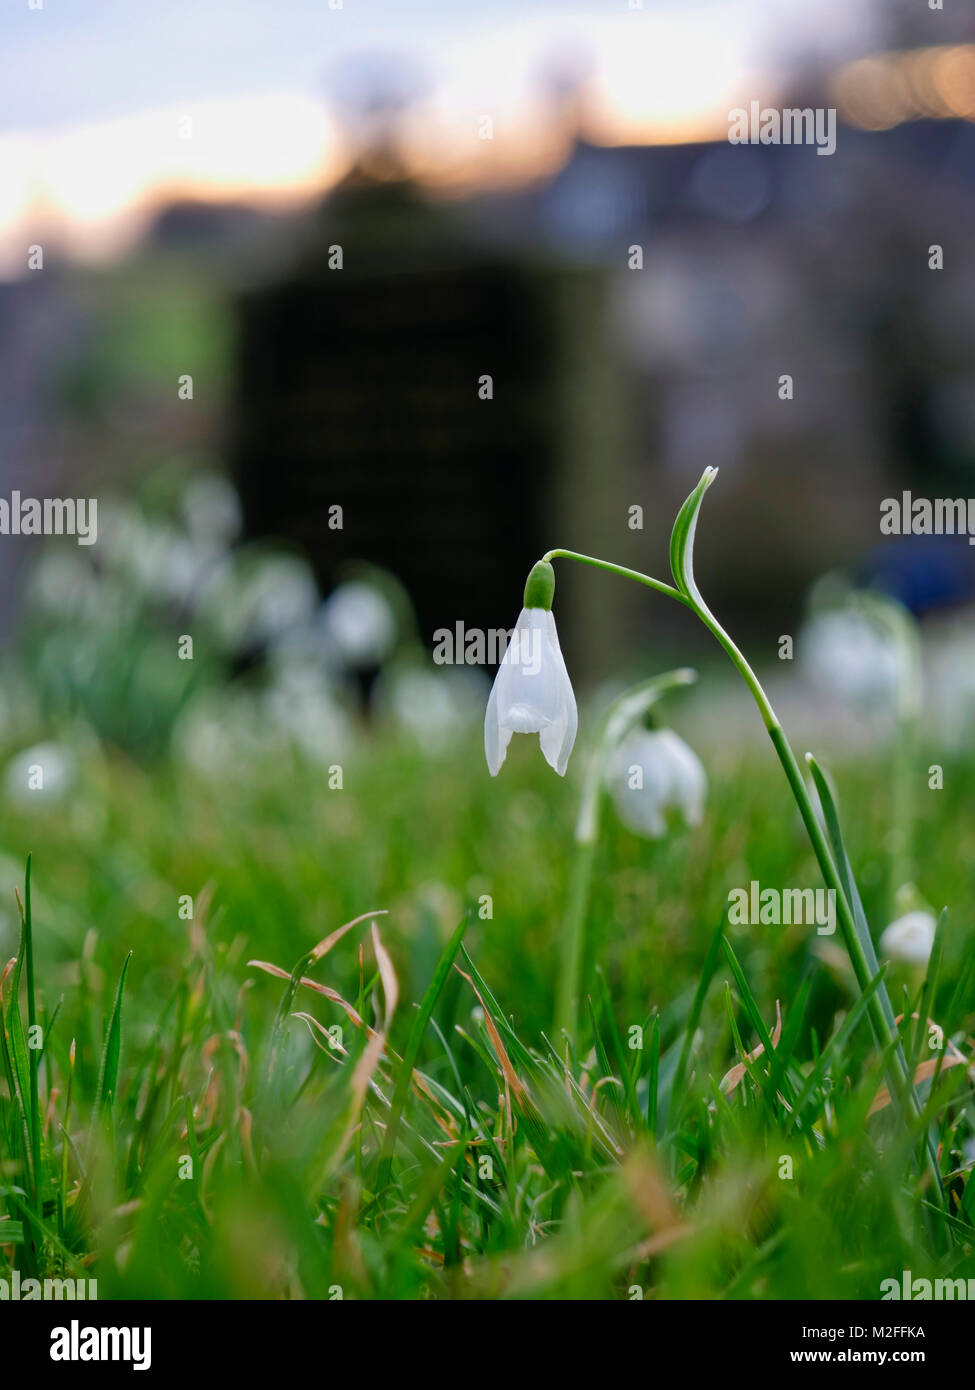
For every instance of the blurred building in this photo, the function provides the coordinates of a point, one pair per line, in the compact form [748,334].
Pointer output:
[760,262]
[450,397]
[616,378]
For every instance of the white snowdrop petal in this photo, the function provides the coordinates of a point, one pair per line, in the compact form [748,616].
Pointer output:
[671,778]
[552,739]
[532,694]
[689,781]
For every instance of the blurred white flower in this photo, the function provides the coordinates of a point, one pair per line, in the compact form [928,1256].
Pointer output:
[43,773]
[168,566]
[64,584]
[359,624]
[434,706]
[254,599]
[532,694]
[652,772]
[224,735]
[951,668]
[848,654]
[152,558]
[301,705]
[212,511]
[910,938]
[120,534]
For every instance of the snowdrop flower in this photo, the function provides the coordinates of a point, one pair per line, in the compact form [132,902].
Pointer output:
[652,772]
[952,685]
[255,596]
[65,585]
[301,705]
[167,566]
[212,511]
[433,706]
[359,622]
[532,693]
[910,938]
[847,654]
[45,772]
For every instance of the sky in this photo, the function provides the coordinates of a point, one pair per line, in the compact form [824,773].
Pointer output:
[109,106]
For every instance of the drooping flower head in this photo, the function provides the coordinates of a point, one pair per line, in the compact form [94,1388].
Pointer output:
[653,772]
[532,693]
[910,938]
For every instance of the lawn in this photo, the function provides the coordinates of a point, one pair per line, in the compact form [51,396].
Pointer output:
[245,1150]
[283,1023]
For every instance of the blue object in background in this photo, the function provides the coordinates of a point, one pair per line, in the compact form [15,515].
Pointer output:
[924,572]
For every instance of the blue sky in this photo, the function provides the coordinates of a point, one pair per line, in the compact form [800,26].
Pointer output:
[84,60]
[94,94]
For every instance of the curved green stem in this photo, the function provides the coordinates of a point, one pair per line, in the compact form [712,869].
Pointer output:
[879,1009]
[621,570]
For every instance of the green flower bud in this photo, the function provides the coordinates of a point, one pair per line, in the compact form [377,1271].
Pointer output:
[540,587]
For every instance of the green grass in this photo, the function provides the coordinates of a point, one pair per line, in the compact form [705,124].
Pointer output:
[189,1130]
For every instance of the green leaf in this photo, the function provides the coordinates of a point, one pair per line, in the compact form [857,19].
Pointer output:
[16,1060]
[834,1048]
[112,1051]
[925,1006]
[653,1077]
[901,1077]
[33,1060]
[12,1058]
[693,1018]
[616,1042]
[750,1005]
[845,870]
[682,538]
[427,1006]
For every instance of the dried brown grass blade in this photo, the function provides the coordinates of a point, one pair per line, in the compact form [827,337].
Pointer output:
[504,1061]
